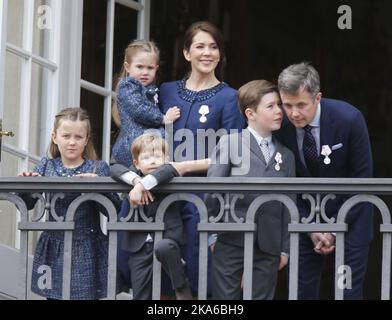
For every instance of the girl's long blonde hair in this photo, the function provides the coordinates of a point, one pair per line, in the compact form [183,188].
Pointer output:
[73,114]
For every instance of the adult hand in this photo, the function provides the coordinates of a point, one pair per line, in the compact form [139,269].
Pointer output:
[189,166]
[180,167]
[323,242]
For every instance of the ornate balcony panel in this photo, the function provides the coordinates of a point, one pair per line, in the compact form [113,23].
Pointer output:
[317,191]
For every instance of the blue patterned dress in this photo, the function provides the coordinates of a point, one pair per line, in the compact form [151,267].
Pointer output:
[138,109]
[89,244]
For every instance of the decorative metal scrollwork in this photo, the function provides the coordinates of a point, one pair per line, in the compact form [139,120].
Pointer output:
[138,213]
[226,207]
[317,208]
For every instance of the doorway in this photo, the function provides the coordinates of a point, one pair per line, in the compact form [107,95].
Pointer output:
[261,39]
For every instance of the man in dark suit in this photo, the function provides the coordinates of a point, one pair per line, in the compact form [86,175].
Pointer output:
[329,138]
[259,155]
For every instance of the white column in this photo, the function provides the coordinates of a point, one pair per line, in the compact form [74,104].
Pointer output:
[71,53]
[107,111]
[3,40]
[143,20]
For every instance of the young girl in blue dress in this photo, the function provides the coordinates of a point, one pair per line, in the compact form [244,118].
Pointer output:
[72,154]
[137,99]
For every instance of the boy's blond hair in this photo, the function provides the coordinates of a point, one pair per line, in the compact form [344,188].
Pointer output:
[149,141]
[251,93]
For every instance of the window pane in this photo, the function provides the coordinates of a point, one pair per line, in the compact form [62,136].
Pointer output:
[124,19]
[15,22]
[94,41]
[12,98]
[8,212]
[7,223]
[94,103]
[8,168]
[32,164]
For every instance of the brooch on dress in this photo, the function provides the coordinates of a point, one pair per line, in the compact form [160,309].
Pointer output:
[152,95]
[203,111]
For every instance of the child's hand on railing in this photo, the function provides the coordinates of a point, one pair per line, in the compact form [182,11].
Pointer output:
[140,196]
[86,175]
[28,174]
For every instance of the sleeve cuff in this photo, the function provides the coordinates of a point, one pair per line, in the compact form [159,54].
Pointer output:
[212,239]
[149,182]
[128,177]
[284,254]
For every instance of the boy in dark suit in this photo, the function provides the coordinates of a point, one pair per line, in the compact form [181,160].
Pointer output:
[259,155]
[150,153]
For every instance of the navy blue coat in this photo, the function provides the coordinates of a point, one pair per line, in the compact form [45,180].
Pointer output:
[340,123]
[138,109]
[223,112]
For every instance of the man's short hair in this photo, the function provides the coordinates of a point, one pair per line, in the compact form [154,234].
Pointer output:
[299,76]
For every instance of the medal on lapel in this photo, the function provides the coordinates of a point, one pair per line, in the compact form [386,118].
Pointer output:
[278,159]
[326,151]
[204,110]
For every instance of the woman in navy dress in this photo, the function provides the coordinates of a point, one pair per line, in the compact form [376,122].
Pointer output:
[73,155]
[205,102]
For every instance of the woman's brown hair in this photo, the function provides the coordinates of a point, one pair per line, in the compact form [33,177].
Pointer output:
[215,33]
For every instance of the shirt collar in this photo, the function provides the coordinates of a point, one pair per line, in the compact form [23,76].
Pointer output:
[316,120]
[258,137]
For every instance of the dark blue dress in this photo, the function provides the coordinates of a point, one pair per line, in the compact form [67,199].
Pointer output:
[215,108]
[89,244]
[138,109]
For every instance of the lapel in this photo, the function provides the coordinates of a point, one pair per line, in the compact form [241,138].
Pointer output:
[184,104]
[278,148]
[290,139]
[327,130]
[251,143]
[327,127]
[181,123]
